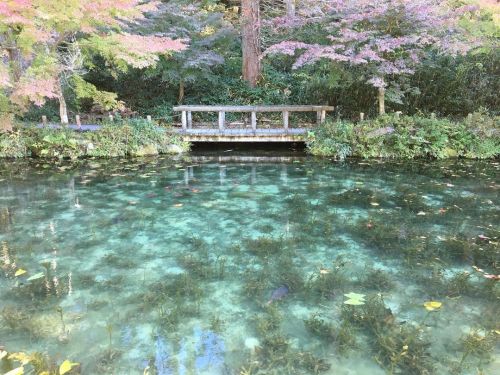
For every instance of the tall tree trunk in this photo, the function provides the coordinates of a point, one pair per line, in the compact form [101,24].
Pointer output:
[250,30]
[63,109]
[381,101]
[290,8]
[180,98]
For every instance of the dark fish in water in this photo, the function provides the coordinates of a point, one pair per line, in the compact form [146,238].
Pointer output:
[279,293]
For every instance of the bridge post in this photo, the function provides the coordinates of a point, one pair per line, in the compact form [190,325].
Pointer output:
[361,116]
[285,120]
[78,121]
[189,119]
[254,121]
[222,117]
[184,120]
[323,116]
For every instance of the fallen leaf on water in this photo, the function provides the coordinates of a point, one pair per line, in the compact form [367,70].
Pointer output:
[36,276]
[324,271]
[374,204]
[421,213]
[354,302]
[178,205]
[16,371]
[20,272]
[354,299]
[432,305]
[66,366]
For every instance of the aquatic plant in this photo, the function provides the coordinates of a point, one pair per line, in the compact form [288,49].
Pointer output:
[270,321]
[320,328]
[478,344]
[376,279]
[325,285]
[264,246]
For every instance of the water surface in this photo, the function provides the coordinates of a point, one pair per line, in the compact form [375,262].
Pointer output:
[242,265]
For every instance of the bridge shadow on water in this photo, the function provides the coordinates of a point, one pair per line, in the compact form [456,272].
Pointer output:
[257,149]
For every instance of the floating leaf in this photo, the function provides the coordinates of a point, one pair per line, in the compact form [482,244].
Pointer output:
[355,299]
[432,305]
[66,367]
[375,204]
[16,371]
[20,272]
[353,295]
[20,357]
[36,276]
[354,302]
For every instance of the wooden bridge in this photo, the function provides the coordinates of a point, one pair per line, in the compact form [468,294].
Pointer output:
[247,130]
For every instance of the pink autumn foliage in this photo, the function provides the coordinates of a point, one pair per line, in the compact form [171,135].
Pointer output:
[35,90]
[388,36]
[142,51]
[13,11]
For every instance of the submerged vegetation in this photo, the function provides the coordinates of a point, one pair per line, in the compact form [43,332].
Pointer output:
[127,266]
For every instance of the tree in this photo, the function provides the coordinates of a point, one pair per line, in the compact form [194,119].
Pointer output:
[250,44]
[46,45]
[389,38]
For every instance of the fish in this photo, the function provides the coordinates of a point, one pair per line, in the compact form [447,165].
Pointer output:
[279,293]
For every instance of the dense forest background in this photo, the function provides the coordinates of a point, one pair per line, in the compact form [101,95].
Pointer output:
[209,71]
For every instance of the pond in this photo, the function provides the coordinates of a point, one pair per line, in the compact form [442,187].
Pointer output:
[241,265]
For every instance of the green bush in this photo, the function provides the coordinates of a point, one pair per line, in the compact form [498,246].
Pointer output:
[409,137]
[332,139]
[12,145]
[123,138]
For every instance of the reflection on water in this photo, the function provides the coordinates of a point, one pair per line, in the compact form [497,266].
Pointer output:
[228,265]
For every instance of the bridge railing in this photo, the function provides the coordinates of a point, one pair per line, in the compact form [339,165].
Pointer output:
[187,113]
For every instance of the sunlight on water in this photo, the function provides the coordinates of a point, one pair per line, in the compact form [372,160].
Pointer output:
[273,267]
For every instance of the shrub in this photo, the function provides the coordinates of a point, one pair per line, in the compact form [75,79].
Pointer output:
[130,137]
[332,139]
[12,145]
[409,137]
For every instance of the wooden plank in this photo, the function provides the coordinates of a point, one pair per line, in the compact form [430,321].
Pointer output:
[262,108]
[222,118]
[285,120]
[254,121]
[184,120]
[189,119]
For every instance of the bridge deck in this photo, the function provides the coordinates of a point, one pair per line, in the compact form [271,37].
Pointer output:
[243,135]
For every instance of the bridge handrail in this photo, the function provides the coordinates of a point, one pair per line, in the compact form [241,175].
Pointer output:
[187,118]
[253,108]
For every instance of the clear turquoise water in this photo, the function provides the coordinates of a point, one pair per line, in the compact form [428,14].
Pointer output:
[171,265]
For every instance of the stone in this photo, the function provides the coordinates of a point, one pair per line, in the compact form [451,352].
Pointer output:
[251,343]
[174,149]
[146,150]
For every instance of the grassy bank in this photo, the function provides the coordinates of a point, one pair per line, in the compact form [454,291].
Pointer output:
[128,138]
[409,137]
